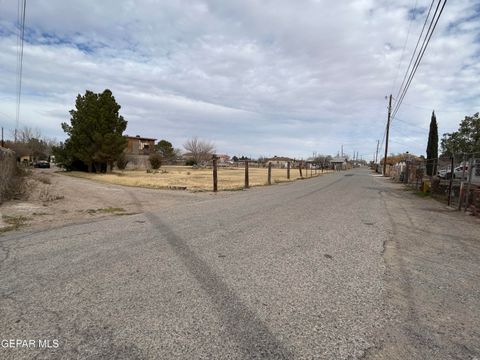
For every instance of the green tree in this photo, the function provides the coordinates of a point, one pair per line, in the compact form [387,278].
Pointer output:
[432,146]
[165,148]
[95,131]
[465,140]
[155,160]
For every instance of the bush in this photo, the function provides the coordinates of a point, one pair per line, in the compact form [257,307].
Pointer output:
[190,162]
[155,161]
[12,184]
[122,162]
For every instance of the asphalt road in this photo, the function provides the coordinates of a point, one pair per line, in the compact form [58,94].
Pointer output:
[342,266]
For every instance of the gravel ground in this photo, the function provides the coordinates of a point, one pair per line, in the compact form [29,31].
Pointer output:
[343,266]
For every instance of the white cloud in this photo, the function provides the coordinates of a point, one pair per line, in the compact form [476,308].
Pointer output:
[260,77]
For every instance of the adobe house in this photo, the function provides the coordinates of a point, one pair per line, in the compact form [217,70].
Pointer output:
[280,161]
[138,145]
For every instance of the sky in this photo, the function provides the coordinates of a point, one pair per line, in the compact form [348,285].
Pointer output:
[257,78]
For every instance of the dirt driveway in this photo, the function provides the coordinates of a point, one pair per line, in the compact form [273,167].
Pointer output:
[54,199]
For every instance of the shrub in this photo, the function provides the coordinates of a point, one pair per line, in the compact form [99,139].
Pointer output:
[122,161]
[155,161]
[191,162]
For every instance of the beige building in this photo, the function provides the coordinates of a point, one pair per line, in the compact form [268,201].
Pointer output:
[138,145]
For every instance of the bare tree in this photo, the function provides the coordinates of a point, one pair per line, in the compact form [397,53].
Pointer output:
[199,150]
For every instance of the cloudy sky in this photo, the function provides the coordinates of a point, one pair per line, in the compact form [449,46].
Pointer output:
[265,77]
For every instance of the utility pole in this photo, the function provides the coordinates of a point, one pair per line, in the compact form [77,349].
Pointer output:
[3,144]
[376,154]
[386,135]
[342,151]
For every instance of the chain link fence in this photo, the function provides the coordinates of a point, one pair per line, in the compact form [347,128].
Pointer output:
[455,180]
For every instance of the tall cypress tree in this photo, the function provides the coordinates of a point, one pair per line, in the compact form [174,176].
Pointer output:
[432,146]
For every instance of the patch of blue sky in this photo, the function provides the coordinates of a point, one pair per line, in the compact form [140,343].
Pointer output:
[473,16]
[35,37]
[7,29]
[415,13]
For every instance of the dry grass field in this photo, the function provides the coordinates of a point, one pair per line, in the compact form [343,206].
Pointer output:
[184,177]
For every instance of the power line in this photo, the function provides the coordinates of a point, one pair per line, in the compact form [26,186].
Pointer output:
[22,5]
[425,43]
[415,50]
[404,46]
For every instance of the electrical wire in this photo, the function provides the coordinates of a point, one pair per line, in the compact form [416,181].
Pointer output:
[404,47]
[22,5]
[426,41]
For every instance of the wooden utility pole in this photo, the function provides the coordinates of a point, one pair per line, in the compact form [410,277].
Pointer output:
[376,153]
[3,144]
[247,182]
[386,135]
[288,170]
[269,173]
[215,176]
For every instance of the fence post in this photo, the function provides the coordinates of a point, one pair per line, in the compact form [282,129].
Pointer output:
[288,170]
[300,169]
[462,185]
[215,176]
[407,171]
[269,173]
[452,165]
[470,173]
[247,183]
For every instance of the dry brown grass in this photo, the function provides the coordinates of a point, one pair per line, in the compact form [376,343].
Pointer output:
[185,177]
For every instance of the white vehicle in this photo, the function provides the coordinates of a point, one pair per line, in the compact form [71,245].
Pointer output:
[461,172]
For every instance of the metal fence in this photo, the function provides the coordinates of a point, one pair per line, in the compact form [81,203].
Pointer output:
[455,180]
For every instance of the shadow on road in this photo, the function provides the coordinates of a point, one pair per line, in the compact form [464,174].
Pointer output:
[253,336]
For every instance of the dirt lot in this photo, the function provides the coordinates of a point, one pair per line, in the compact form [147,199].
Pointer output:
[54,199]
[193,179]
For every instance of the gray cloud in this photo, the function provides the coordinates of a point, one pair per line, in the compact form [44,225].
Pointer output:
[256,77]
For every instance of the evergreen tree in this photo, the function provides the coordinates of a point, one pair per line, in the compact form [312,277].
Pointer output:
[165,148]
[432,146]
[95,131]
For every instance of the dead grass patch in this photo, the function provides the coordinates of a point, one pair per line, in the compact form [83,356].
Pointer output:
[185,177]
[13,222]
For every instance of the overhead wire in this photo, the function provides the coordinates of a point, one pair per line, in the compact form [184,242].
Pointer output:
[426,41]
[404,46]
[22,5]
[415,50]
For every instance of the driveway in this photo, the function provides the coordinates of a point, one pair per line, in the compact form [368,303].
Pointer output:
[343,266]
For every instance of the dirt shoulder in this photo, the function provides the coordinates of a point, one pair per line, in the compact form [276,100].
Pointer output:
[433,279]
[54,199]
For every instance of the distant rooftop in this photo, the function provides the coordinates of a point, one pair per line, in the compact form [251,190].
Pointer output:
[138,137]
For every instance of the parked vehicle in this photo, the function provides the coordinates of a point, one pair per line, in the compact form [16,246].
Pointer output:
[42,164]
[458,173]
[443,173]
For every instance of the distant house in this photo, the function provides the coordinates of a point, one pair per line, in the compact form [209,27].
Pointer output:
[280,161]
[339,163]
[138,150]
[138,145]
[223,158]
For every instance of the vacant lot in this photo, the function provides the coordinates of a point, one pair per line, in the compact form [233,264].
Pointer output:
[194,179]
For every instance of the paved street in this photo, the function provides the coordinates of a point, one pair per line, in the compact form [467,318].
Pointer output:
[342,266]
